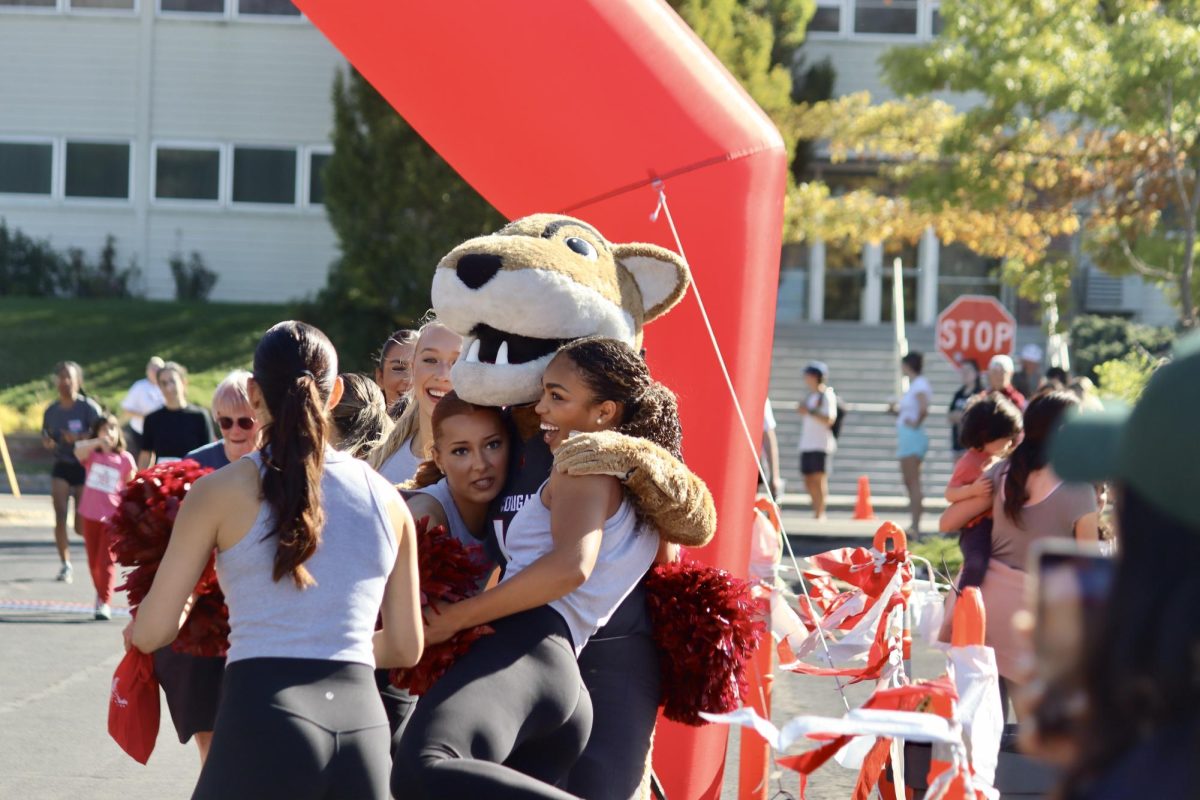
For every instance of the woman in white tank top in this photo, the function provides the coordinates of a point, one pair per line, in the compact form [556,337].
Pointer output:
[398,457]
[311,546]
[513,711]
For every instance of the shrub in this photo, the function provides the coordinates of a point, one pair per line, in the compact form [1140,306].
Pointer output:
[193,280]
[1125,378]
[33,268]
[1096,340]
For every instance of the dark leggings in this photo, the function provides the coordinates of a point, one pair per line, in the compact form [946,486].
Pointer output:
[296,728]
[506,721]
[620,668]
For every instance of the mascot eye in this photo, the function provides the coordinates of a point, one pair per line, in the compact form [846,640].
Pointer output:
[583,247]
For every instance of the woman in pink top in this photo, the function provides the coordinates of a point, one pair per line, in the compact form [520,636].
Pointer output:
[109,467]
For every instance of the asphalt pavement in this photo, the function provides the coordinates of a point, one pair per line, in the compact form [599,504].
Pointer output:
[56,664]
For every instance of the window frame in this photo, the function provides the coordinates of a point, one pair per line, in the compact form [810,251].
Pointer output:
[310,151]
[846,32]
[131,193]
[231,11]
[36,199]
[188,202]
[39,10]
[246,205]
[101,12]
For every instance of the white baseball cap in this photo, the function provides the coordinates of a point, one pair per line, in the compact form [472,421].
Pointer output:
[1031,352]
[1002,361]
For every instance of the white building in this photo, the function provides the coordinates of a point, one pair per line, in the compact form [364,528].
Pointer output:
[175,125]
[818,283]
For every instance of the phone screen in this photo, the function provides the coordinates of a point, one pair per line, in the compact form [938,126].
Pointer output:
[1072,592]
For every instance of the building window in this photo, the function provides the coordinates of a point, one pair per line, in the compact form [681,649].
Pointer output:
[28,3]
[316,178]
[26,168]
[274,8]
[890,17]
[192,6]
[97,170]
[101,5]
[187,173]
[264,175]
[935,19]
[827,18]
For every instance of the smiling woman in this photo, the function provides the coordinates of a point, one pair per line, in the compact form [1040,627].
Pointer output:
[435,351]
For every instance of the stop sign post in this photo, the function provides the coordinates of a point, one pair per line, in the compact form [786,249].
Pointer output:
[975,327]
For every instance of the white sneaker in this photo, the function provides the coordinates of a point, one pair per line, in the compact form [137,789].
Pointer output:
[103,611]
[65,573]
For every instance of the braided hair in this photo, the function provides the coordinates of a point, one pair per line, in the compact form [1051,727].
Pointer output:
[295,368]
[614,371]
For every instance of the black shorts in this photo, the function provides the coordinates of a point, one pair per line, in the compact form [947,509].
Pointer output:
[192,685]
[812,462]
[73,473]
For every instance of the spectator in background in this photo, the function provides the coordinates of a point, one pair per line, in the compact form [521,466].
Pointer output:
[360,418]
[1029,379]
[968,370]
[177,428]
[770,452]
[817,442]
[1057,376]
[66,421]
[1000,379]
[1029,501]
[234,415]
[393,371]
[1085,390]
[912,440]
[144,397]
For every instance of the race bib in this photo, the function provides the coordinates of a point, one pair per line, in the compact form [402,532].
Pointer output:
[104,478]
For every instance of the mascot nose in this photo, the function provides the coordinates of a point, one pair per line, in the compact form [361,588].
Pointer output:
[476,269]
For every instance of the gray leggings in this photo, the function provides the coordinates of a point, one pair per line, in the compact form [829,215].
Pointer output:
[506,721]
[295,729]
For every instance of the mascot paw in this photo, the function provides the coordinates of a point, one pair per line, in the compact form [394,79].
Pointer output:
[600,453]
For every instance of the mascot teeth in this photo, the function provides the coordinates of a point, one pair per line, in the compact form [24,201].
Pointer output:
[502,355]
[473,353]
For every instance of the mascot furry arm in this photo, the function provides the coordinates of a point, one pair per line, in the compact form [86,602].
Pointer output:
[544,280]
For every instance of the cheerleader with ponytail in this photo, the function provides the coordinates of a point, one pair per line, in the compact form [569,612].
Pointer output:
[311,544]
[511,717]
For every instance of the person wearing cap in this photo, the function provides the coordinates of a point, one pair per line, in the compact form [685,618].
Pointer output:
[1000,379]
[817,439]
[1029,379]
[1140,730]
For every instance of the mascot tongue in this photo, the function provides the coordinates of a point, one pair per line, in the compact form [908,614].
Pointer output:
[538,283]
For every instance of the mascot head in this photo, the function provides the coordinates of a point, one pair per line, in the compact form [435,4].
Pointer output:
[519,294]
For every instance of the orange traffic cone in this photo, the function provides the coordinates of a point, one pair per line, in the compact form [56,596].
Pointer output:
[862,507]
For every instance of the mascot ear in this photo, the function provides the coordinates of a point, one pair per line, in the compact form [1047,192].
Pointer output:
[661,275]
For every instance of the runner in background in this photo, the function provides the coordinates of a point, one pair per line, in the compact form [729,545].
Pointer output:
[67,420]
[109,467]
[144,397]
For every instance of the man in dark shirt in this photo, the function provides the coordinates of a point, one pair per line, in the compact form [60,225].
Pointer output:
[178,427]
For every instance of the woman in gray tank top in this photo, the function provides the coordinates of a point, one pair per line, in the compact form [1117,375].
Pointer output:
[511,716]
[311,546]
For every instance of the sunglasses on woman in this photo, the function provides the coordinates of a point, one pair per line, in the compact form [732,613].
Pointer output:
[227,423]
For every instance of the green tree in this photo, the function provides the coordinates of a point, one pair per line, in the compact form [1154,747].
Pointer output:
[397,208]
[1114,84]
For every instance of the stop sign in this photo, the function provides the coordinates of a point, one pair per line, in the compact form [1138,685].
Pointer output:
[975,327]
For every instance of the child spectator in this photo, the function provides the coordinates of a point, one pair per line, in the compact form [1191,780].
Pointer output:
[990,428]
[109,467]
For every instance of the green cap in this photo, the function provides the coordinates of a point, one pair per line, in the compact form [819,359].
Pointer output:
[1155,447]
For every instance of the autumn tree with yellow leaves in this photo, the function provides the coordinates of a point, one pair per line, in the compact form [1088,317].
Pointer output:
[1089,122]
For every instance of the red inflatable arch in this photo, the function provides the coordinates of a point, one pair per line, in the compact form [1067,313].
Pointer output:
[579,107]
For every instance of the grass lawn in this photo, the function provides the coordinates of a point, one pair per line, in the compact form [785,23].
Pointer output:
[112,340]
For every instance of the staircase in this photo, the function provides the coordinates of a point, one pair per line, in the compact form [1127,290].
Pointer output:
[862,370]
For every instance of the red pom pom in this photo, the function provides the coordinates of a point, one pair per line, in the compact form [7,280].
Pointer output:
[140,531]
[449,571]
[707,626]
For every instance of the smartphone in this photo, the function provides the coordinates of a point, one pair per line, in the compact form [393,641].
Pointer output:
[1072,581]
